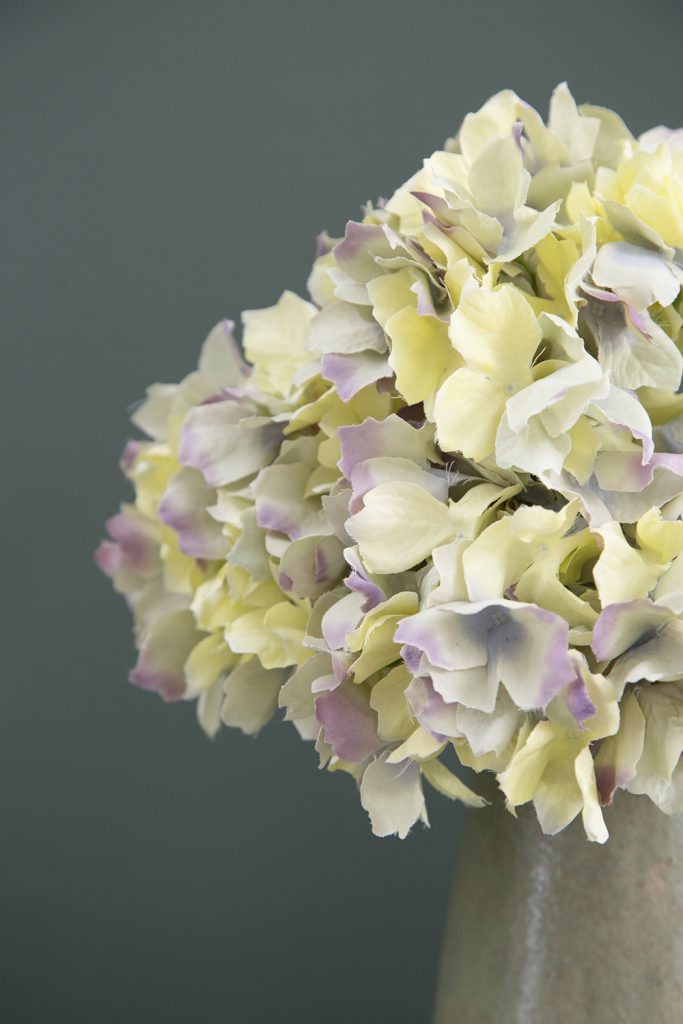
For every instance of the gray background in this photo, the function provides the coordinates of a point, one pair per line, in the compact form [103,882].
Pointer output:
[164,165]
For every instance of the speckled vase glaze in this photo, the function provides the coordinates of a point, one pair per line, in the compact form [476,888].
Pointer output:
[543,929]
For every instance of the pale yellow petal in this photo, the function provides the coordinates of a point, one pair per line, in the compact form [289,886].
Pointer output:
[467,412]
[421,354]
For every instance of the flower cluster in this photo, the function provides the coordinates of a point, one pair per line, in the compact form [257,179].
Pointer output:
[435,509]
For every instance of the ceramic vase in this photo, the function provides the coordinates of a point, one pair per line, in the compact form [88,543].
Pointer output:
[558,930]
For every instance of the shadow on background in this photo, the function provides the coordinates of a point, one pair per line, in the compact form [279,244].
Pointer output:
[167,164]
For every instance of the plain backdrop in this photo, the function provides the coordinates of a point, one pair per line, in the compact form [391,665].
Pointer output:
[166,164]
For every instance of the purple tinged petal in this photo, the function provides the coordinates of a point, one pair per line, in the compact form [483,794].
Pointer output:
[435,203]
[654,137]
[225,443]
[359,582]
[431,710]
[274,517]
[356,236]
[603,502]
[323,244]
[280,503]
[517,133]
[135,545]
[630,344]
[165,648]
[129,532]
[170,687]
[183,507]
[625,471]
[622,408]
[523,645]
[599,293]
[356,252]
[369,474]
[425,301]
[341,619]
[352,372]
[639,321]
[392,436]
[448,640]
[311,565]
[606,782]
[578,700]
[669,460]
[645,638]
[349,723]
[622,626]
[532,654]
[412,656]
[108,557]
[129,454]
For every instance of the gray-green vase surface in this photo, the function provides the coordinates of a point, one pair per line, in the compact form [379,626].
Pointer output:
[558,930]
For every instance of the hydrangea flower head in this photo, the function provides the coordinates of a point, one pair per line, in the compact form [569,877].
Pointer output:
[433,511]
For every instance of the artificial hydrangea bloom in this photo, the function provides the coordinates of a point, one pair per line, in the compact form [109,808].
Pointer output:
[434,511]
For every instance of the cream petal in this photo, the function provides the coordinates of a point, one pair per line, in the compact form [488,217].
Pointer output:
[448,784]
[209,708]
[531,449]
[637,275]
[345,329]
[421,354]
[221,362]
[491,732]
[207,663]
[591,815]
[621,573]
[559,398]
[662,707]
[296,695]
[387,698]
[467,410]
[476,688]
[496,332]
[398,526]
[392,795]
[275,340]
[251,696]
